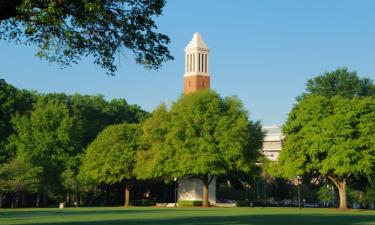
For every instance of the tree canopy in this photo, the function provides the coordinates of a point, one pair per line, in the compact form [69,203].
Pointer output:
[45,139]
[12,102]
[201,136]
[18,177]
[66,31]
[340,82]
[111,157]
[330,137]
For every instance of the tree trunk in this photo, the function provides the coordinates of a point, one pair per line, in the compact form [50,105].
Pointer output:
[127,193]
[38,200]
[342,194]
[45,199]
[2,196]
[341,186]
[205,194]
[206,180]
[78,199]
[24,200]
[17,200]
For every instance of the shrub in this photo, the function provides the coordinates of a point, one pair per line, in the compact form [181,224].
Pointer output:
[189,203]
[143,202]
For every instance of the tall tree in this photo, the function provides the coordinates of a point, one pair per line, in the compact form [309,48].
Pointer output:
[17,177]
[330,137]
[340,82]
[202,136]
[110,158]
[46,138]
[66,31]
[12,102]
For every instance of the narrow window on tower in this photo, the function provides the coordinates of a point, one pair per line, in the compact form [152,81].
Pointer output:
[189,83]
[204,84]
[199,62]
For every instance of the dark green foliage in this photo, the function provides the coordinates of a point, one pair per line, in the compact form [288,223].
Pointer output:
[340,82]
[17,177]
[66,31]
[52,131]
[189,203]
[12,102]
[45,139]
[143,202]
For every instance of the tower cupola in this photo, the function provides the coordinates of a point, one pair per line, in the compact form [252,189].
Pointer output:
[197,76]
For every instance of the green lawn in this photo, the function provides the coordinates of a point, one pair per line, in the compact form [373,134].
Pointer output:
[186,216]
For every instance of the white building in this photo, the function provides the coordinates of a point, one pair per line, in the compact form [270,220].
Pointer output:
[272,143]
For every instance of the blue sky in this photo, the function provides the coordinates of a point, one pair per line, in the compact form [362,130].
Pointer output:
[261,51]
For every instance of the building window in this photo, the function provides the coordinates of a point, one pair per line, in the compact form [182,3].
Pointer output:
[204,84]
[199,62]
[189,83]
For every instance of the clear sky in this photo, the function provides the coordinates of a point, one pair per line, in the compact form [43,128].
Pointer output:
[261,51]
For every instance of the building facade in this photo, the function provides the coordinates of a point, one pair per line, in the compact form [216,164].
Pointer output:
[272,142]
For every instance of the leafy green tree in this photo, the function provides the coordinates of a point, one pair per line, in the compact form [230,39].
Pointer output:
[46,139]
[12,102]
[325,195]
[330,137]
[66,31]
[340,82]
[17,177]
[202,136]
[110,158]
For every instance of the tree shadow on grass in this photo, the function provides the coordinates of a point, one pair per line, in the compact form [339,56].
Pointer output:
[236,220]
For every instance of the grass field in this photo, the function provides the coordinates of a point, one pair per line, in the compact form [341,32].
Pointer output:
[186,216]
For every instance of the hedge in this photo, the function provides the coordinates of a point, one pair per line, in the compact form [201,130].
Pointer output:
[189,203]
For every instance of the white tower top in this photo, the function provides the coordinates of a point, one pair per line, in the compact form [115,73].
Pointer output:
[197,42]
[196,57]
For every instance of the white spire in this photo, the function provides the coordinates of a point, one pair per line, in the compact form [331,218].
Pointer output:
[197,42]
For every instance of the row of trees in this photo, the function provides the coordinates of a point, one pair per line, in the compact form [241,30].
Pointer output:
[43,138]
[73,144]
[59,145]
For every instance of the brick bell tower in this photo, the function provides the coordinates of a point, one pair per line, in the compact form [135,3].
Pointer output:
[196,78]
[196,75]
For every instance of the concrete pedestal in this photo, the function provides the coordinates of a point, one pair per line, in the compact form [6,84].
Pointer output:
[192,189]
